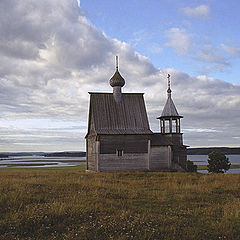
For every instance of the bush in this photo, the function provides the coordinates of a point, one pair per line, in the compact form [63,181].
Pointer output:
[191,167]
[218,162]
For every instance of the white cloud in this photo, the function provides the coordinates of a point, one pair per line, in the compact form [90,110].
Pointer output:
[138,37]
[214,57]
[233,51]
[209,54]
[197,130]
[155,48]
[201,11]
[179,39]
[65,57]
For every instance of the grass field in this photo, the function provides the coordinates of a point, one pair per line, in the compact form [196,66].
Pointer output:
[68,203]
[204,167]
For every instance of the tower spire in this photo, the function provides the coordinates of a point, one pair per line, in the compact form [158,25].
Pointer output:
[116,63]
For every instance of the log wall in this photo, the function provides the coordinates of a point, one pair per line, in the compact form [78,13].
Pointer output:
[138,154]
[160,158]
[127,162]
[92,153]
[130,144]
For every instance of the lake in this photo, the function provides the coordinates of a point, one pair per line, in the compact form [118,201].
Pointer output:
[41,161]
[202,160]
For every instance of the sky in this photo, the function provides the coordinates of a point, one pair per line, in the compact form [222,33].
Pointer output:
[53,52]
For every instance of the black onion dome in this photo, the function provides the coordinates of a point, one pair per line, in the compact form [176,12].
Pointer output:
[117,80]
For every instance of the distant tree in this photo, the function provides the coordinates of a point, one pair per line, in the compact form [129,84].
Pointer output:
[218,162]
[191,167]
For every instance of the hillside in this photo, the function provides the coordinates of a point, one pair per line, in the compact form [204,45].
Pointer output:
[69,203]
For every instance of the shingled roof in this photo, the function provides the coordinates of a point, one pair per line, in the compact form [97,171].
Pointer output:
[169,109]
[127,117]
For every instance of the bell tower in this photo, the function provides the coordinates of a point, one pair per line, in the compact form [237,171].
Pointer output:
[170,119]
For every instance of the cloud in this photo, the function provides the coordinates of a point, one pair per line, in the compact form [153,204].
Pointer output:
[201,11]
[233,51]
[138,37]
[209,54]
[179,39]
[205,103]
[155,48]
[40,134]
[51,56]
[214,57]
[219,58]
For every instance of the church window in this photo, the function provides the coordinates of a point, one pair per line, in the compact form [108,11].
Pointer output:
[167,126]
[174,126]
[119,153]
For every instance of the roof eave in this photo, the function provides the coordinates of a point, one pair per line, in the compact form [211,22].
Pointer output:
[112,93]
[164,117]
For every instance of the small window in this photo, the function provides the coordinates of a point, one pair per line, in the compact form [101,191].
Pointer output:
[119,153]
[174,126]
[167,126]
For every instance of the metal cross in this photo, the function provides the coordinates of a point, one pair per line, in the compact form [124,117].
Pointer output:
[168,80]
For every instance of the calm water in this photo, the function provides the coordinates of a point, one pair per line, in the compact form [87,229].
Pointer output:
[202,160]
[40,161]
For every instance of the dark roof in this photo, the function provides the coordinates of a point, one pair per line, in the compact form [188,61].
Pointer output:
[169,109]
[159,139]
[127,117]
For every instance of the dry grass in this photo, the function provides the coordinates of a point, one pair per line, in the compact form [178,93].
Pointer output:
[204,167]
[67,203]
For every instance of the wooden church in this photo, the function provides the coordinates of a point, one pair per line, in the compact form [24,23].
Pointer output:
[119,137]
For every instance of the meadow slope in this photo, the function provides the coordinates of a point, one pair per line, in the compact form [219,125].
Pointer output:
[68,203]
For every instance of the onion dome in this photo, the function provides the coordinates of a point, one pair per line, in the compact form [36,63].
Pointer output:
[117,80]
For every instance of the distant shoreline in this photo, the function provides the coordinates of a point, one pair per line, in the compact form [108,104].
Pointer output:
[45,154]
[190,151]
[207,150]
[66,154]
